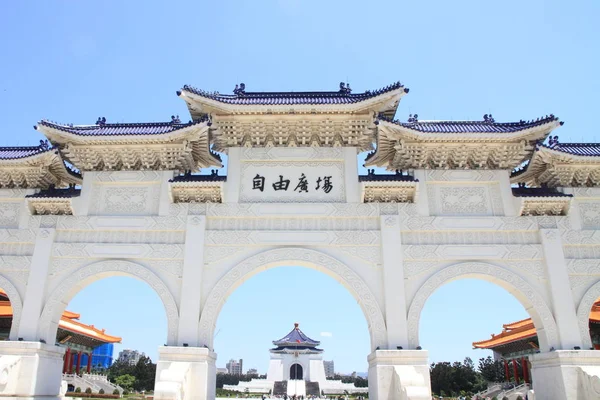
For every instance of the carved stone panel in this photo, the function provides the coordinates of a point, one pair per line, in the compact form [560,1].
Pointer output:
[125,200]
[471,200]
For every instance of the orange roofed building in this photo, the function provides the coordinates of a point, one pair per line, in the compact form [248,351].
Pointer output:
[519,339]
[79,339]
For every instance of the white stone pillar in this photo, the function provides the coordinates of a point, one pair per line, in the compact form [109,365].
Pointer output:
[33,301]
[393,282]
[508,200]
[231,188]
[81,204]
[164,203]
[422,198]
[399,374]
[185,373]
[30,369]
[193,264]
[566,374]
[351,175]
[560,289]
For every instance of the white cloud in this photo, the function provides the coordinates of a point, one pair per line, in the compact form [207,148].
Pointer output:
[326,334]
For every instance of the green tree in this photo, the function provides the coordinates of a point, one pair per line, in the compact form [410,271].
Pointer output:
[491,370]
[125,381]
[145,374]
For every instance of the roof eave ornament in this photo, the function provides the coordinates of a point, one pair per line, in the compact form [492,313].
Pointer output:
[345,88]
[240,89]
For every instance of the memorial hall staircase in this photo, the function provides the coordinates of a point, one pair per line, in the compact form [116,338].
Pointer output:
[280,388]
[312,389]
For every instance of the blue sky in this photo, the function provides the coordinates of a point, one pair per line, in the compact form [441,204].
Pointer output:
[74,61]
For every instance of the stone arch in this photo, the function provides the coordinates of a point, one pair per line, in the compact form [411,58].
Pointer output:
[56,302]
[533,302]
[583,313]
[293,256]
[16,304]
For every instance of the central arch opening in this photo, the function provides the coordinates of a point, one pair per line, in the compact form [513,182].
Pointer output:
[262,311]
[296,371]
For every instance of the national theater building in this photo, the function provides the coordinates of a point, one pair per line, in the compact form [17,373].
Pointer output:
[296,369]
[85,345]
[505,202]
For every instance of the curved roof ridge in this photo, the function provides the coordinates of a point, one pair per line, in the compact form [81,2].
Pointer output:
[344,95]
[121,128]
[441,126]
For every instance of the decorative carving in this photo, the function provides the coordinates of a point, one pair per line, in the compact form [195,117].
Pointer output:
[370,254]
[584,267]
[391,220]
[290,154]
[134,250]
[453,252]
[9,214]
[124,200]
[583,313]
[469,237]
[292,224]
[120,236]
[213,254]
[333,238]
[461,175]
[73,283]
[463,200]
[310,258]
[128,176]
[590,214]
[526,294]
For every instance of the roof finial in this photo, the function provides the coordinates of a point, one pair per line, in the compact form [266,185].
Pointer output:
[488,118]
[413,118]
[175,119]
[241,89]
[296,325]
[44,144]
[345,88]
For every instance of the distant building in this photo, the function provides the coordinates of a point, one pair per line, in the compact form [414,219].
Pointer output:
[235,367]
[329,369]
[221,370]
[252,371]
[130,356]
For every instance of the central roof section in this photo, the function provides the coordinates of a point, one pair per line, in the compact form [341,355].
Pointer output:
[296,338]
[293,119]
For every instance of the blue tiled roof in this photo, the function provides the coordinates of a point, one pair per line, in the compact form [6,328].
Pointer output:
[538,192]
[53,192]
[398,177]
[290,98]
[299,347]
[188,177]
[13,153]
[143,128]
[295,337]
[472,126]
[578,149]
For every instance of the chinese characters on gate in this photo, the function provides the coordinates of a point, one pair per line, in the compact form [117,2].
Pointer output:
[324,184]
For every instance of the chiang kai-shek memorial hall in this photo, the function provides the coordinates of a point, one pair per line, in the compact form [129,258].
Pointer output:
[296,369]
[505,202]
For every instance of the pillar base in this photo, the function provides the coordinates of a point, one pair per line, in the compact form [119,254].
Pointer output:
[399,375]
[185,373]
[30,369]
[566,374]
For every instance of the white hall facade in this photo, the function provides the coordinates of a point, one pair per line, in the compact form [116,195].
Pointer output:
[108,199]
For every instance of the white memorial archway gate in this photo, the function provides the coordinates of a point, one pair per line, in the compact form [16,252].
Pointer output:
[292,194]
